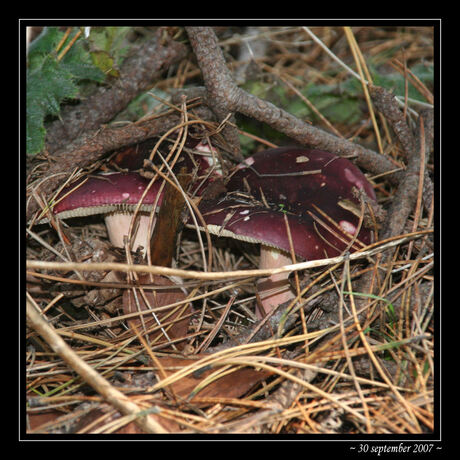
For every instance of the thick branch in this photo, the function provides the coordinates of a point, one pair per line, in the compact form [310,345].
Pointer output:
[217,79]
[385,103]
[229,98]
[136,75]
[405,197]
[406,194]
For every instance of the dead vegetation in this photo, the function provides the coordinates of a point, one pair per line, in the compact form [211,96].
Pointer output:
[353,353]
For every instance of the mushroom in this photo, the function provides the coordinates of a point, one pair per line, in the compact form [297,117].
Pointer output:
[115,196]
[311,194]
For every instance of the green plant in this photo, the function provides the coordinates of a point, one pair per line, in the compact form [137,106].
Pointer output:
[56,65]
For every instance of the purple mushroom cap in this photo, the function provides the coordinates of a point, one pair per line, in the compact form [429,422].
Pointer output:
[316,190]
[311,195]
[106,193]
[115,196]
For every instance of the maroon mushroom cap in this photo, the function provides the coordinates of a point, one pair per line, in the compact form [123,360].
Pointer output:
[316,190]
[106,193]
[117,195]
[132,157]
[299,178]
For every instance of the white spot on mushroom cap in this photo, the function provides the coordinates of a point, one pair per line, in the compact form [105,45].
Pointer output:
[125,195]
[247,162]
[201,147]
[246,211]
[347,227]
[246,218]
[302,159]
[350,176]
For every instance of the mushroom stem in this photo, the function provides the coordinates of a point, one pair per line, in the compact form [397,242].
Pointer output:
[275,289]
[118,226]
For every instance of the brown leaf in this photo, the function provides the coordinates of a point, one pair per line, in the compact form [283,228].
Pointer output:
[163,242]
[232,385]
[169,318]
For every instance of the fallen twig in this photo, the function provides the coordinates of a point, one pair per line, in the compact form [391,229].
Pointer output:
[89,375]
[166,271]
[227,95]
[136,74]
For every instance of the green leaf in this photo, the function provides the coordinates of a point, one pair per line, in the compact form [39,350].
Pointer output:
[79,63]
[35,137]
[51,82]
[104,62]
[43,45]
[47,86]
[108,48]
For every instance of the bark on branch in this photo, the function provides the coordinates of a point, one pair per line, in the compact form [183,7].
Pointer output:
[229,98]
[137,73]
[417,149]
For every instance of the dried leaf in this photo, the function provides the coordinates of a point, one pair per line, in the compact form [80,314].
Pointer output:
[231,385]
[171,324]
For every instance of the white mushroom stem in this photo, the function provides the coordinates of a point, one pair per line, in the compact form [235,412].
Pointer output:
[118,225]
[275,289]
